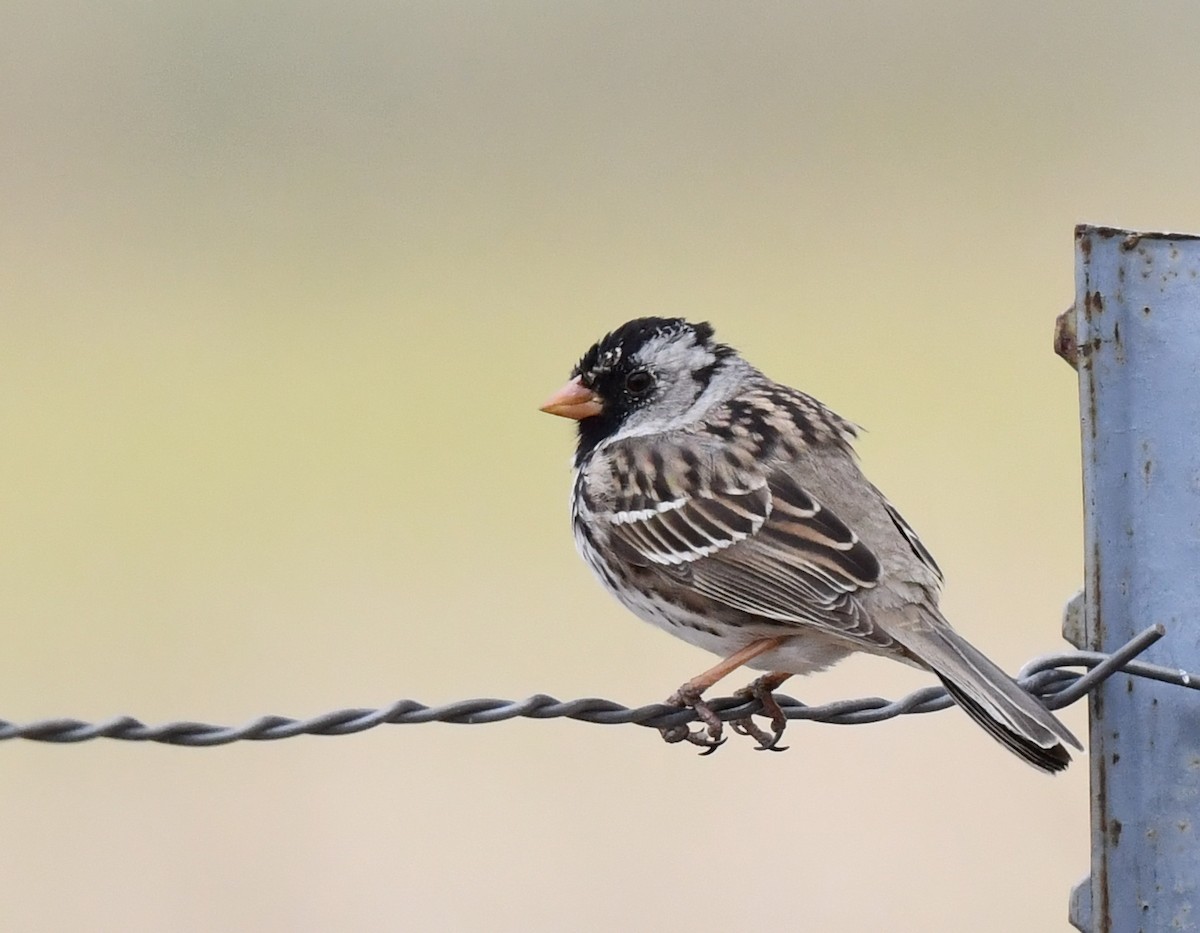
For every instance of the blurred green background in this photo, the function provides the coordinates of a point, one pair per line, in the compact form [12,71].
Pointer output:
[281,287]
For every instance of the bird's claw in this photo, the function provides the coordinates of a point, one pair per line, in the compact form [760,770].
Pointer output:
[761,690]
[708,736]
[767,741]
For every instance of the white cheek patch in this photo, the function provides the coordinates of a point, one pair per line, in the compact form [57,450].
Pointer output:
[675,353]
[681,398]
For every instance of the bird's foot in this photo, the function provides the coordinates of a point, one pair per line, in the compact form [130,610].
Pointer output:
[708,736]
[762,690]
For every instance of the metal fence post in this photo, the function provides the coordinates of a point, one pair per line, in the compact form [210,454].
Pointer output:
[1137,345]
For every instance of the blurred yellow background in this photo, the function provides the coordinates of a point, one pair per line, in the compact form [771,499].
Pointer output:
[281,287]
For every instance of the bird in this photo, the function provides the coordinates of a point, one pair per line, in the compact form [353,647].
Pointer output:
[730,510]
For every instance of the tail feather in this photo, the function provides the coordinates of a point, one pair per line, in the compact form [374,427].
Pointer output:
[1010,715]
[1051,760]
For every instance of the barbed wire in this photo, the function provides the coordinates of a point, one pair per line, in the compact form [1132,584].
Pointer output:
[1046,676]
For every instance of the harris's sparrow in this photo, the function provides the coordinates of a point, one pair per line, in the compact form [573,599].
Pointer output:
[730,510]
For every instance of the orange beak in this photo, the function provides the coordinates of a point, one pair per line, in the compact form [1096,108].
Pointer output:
[574,400]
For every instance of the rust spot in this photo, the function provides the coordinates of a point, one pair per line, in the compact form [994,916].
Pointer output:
[1146,310]
[1131,241]
[1147,469]
[1158,237]
[1116,756]
[1101,911]
[1085,242]
[1089,412]
[1114,832]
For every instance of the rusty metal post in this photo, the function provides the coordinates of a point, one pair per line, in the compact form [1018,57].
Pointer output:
[1137,346]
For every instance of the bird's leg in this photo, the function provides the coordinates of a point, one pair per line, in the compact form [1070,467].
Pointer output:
[763,690]
[690,696]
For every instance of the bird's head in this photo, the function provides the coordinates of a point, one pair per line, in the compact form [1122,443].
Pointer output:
[649,375]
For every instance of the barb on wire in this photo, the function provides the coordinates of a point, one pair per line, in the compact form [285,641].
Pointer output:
[1045,676]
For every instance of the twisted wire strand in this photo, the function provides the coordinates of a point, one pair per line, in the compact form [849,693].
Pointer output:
[1045,676]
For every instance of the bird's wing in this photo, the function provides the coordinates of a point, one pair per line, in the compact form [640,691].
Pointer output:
[682,527]
[914,542]
[753,541]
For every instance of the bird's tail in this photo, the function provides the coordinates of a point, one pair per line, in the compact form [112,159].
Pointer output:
[1010,715]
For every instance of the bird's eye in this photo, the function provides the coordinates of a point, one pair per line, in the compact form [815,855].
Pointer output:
[639,382]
